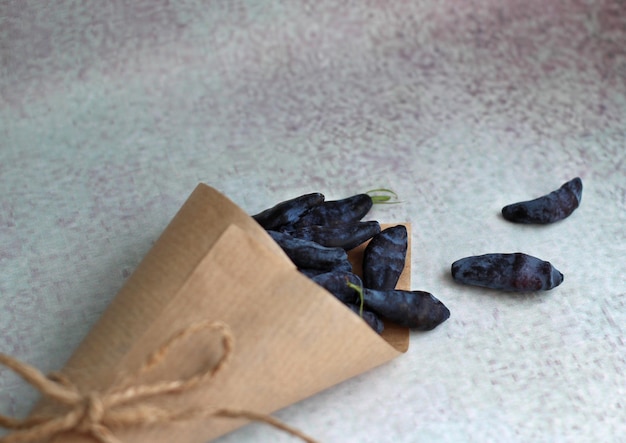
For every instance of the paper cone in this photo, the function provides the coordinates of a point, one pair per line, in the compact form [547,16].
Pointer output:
[292,338]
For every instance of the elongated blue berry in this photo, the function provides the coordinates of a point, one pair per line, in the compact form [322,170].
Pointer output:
[308,254]
[337,212]
[368,317]
[549,208]
[417,310]
[384,258]
[336,282]
[288,211]
[345,236]
[517,272]
[341,266]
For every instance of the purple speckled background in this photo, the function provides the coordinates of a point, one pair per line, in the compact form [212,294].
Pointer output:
[112,112]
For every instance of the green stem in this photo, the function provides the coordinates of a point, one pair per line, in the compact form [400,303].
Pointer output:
[359,290]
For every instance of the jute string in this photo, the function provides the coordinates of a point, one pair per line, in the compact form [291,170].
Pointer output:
[97,414]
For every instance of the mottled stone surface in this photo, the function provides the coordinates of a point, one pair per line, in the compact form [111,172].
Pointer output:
[112,112]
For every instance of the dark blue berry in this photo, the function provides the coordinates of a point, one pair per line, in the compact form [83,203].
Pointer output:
[346,236]
[417,310]
[515,272]
[549,208]
[308,254]
[288,211]
[337,212]
[384,258]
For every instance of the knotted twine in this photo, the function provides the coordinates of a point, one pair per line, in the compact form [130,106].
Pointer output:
[97,413]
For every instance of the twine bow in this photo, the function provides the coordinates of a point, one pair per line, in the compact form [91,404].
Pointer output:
[97,413]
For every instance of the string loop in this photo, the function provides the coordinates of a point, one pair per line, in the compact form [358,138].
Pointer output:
[97,413]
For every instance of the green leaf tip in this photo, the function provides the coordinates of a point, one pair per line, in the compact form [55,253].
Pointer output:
[385,198]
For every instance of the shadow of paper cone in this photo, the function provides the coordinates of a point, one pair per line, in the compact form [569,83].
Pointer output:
[213,261]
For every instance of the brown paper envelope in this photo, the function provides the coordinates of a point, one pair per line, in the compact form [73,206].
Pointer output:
[213,261]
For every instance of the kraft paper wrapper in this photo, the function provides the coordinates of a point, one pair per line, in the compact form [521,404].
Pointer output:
[292,338]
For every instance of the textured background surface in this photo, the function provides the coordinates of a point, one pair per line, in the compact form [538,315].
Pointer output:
[110,114]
